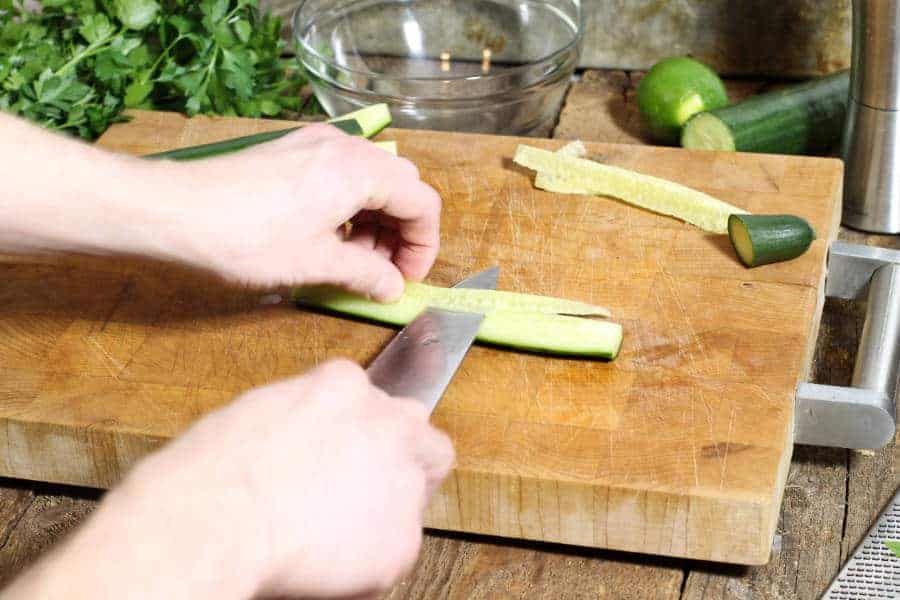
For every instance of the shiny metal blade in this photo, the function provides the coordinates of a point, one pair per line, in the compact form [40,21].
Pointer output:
[421,360]
[486,280]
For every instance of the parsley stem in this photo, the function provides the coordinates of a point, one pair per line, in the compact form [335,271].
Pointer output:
[87,52]
[164,54]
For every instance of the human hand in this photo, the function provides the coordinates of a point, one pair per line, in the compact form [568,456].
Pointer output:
[274,214]
[312,487]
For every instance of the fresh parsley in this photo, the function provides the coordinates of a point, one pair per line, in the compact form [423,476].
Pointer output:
[894,547]
[75,65]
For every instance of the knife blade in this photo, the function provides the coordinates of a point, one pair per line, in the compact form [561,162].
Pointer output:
[420,361]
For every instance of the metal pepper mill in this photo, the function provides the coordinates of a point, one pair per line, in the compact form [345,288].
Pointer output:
[872,132]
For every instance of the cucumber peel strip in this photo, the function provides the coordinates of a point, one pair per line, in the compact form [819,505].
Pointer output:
[566,174]
[514,320]
[365,122]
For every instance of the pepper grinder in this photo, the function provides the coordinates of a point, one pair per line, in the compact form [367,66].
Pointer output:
[872,132]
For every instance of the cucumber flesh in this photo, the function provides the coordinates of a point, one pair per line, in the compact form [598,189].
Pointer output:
[388,146]
[765,239]
[419,296]
[371,119]
[708,132]
[577,175]
[512,325]
[802,119]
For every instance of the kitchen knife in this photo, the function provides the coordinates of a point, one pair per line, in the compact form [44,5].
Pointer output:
[421,360]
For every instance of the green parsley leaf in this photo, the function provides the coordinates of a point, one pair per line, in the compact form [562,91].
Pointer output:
[75,65]
[136,14]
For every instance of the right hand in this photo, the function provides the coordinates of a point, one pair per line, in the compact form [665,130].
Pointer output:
[319,482]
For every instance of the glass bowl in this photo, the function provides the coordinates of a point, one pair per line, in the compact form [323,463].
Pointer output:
[489,66]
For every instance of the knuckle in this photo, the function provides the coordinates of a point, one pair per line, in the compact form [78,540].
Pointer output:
[408,166]
[320,130]
[342,370]
[413,408]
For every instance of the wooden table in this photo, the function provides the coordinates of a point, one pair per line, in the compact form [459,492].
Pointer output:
[832,495]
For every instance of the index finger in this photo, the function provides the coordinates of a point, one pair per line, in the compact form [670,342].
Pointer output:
[396,190]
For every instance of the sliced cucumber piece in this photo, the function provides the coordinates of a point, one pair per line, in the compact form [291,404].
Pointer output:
[579,176]
[515,320]
[765,239]
[372,119]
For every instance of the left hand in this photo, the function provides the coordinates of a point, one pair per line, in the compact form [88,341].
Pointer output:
[274,214]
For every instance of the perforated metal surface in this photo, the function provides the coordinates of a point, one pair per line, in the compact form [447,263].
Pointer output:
[873,571]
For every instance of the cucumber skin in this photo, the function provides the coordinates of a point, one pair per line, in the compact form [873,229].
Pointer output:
[803,119]
[775,238]
[350,127]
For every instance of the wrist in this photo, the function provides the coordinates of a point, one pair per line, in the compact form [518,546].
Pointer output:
[147,541]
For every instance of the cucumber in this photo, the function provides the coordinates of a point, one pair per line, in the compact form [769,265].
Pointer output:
[514,320]
[388,146]
[365,122]
[801,119]
[565,174]
[674,90]
[372,119]
[419,296]
[765,239]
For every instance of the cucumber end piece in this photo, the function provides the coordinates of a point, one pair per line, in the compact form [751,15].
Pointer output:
[705,131]
[765,239]
[740,239]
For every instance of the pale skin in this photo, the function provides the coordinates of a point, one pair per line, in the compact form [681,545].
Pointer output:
[310,487]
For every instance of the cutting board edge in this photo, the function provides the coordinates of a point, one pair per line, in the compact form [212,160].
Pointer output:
[499,505]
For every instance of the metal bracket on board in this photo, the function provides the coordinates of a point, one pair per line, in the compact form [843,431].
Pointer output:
[863,415]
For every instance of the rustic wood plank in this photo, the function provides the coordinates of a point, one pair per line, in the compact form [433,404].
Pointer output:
[33,517]
[458,568]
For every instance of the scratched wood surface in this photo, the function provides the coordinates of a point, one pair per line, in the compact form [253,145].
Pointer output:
[680,447]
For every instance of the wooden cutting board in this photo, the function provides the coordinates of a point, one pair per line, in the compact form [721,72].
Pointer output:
[680,447]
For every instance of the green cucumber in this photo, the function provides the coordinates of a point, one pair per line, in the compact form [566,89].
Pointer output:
[674,90]
[419,296]
[372,119]
[764,239]
[801,119]
[365,122]
[515,320]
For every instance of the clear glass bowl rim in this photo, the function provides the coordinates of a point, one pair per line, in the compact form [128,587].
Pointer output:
[573,44]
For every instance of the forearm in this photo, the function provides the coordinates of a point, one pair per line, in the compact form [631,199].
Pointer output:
[128,549]
[60,195]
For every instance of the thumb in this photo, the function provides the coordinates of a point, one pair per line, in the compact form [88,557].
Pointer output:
[366,272]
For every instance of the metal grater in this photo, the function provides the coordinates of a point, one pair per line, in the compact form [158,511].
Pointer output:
[873,572]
